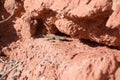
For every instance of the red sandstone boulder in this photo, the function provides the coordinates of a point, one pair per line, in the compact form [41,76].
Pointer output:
[80,19]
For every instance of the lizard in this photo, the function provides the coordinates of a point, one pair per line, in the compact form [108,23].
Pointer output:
[55,37]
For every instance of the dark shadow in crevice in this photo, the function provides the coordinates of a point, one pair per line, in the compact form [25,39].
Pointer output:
[8,33]
[40,29]
[95,44]
[114,47]
[41,19]
[90,43]
[2,54]
[62,34]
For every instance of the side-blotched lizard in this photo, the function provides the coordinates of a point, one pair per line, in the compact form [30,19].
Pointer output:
[56,37]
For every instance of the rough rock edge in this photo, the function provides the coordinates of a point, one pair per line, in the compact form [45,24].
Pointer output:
[88,17]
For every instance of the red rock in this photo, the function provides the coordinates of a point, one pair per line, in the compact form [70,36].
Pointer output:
[89,18]
[95,67]
[70,59]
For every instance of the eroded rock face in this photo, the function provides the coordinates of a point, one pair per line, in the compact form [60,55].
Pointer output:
[94,20]
[89,19]
[73,59]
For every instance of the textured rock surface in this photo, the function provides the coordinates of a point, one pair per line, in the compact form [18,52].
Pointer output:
[50,60]
[31,56]
[93,20]
[95,67]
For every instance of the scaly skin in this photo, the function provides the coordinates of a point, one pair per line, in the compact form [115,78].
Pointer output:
[55,37]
